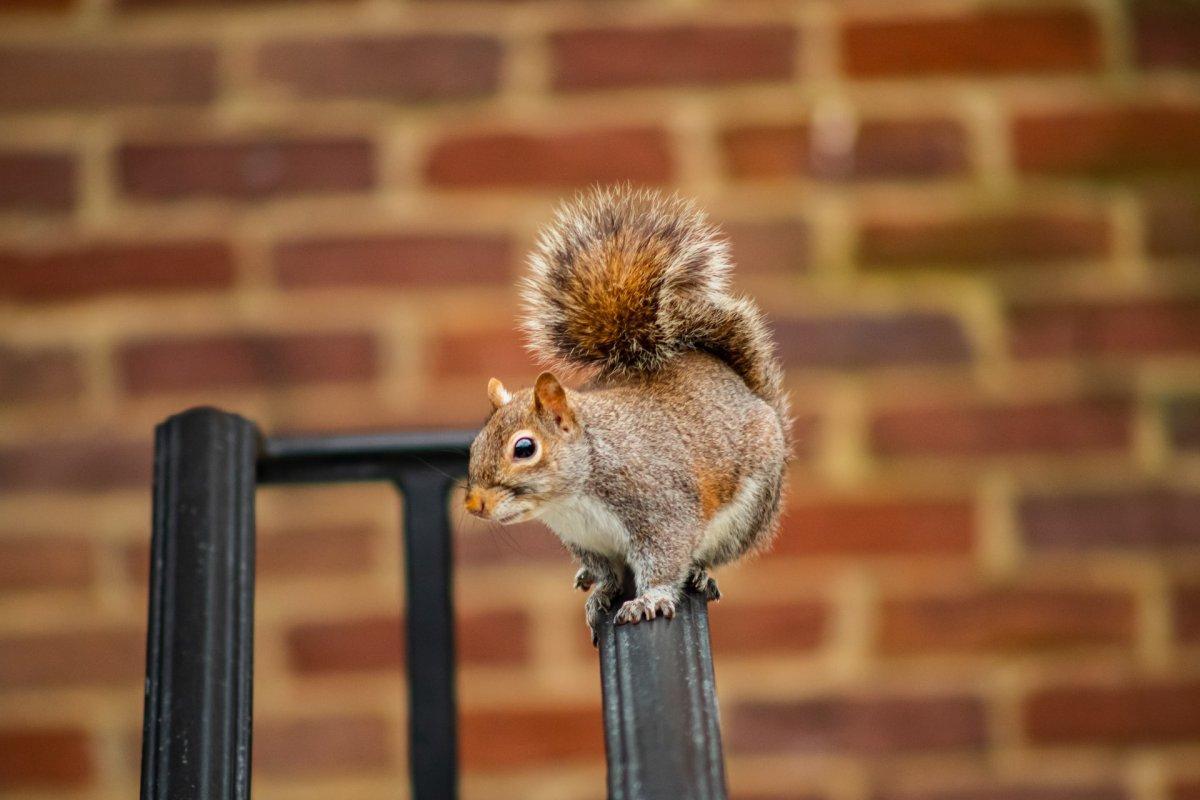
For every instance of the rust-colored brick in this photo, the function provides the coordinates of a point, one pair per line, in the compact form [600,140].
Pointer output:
[1097,425]
[375,643]
[620,57]
[398,262]
[1018,620]
[1138,139]
[37,181]
[891,149]
[35,77]
[992,241]
[64,273]
[394,68]
[1127,714]
[244,169]
[562,160]
[44,758]
[176,365]
[875,726]
[988,43]
[867,528]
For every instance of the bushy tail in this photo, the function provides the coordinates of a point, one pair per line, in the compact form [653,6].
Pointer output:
[623,281]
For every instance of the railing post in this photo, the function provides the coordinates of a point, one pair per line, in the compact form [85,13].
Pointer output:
[429,634]
[196,739]
[661,725]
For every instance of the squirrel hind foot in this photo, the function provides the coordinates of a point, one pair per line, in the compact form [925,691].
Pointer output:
[647,607]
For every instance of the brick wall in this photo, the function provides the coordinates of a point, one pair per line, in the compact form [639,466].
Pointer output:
[975,225]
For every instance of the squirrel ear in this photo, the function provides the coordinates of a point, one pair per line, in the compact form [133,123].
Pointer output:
[550,397]
[497,393]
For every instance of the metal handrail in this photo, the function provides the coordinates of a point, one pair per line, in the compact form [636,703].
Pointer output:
[661,728]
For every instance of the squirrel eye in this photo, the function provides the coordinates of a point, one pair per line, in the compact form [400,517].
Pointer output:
[524,448]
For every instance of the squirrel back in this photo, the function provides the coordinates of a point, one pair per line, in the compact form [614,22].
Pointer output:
[624,281]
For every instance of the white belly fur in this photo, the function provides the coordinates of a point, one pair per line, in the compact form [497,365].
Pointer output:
[588,523]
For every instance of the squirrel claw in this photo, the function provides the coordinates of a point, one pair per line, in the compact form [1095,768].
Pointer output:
[584,579]
[646,607]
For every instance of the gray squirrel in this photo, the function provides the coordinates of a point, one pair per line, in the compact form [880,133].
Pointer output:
[670,458]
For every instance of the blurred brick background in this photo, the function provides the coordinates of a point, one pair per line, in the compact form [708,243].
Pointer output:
[975,225]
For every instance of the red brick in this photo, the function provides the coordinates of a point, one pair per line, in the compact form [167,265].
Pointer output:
[36,5]
[375,643]
[1185,603]
[641,155]
[1183,422]
[492,740]
[139,5]
[45,562]
[1019,791]
[1166,34]
[1133,714]
[395,261]
[1107,141]
[49,373]
[1006,620]
[94,464]
[1062,427]
[1138,519]
[37,181]
[1002,42]
[777,247]
[882,150]
[1173,225]
[1131,328]
[983,241]
[346,745]
[853,341]
[874,726]
[85,270]
[245,169]
[1185,790]
[420,67]
[45,758]
[677,55]
[95,656]
[878,528]
[246,360]
[498,351]
[303,552]
[739,628]
[85,76]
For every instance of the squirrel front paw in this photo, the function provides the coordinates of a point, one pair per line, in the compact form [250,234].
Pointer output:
[704,583]
[647,607]
[585,579]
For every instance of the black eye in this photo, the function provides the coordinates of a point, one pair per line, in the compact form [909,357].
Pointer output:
[524,448]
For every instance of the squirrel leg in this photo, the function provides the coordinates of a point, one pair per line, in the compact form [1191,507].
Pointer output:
[659,576]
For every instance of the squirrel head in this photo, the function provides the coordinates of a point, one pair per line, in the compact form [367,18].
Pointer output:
[530,451]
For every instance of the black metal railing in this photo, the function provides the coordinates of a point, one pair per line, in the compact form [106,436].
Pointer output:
[660,714]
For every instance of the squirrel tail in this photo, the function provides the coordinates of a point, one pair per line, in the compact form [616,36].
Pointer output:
[623,281]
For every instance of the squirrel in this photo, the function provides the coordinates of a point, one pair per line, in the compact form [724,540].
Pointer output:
[670,459]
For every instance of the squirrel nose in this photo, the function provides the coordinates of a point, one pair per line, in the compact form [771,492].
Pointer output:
[475,502]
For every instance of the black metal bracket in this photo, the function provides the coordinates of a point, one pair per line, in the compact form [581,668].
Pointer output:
[662,733]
